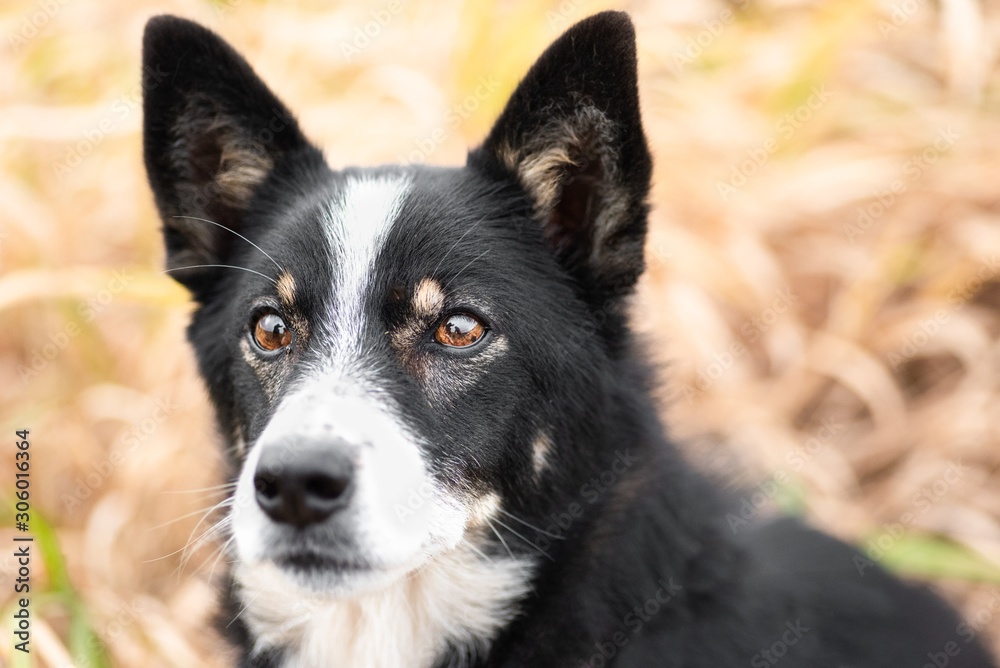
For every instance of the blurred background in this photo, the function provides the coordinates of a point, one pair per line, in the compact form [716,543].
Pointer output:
[823,290]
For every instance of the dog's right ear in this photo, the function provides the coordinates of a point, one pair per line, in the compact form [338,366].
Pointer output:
[213,132]
[571,135]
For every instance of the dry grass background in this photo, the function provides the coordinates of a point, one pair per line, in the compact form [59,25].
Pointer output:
[775,308]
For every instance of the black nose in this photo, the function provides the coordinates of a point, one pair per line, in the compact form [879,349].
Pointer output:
[303,484]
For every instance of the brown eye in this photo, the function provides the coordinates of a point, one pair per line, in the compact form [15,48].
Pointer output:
[459,331]
[271,333]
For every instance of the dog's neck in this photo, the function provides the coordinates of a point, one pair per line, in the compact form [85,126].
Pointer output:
[457,602]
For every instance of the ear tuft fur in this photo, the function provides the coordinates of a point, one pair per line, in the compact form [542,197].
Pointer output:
[571,135]
[213,134]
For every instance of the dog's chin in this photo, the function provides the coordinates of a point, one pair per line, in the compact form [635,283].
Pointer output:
[316,573]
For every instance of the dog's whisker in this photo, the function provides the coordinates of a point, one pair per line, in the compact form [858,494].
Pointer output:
[212,222]
[214,488]
[497,533]
[471,262]
[540,550]
[222,552]
[244,609]
[177,551]
[202,511]
[228,501]
[196,542]
[204,540]
[477,551]
[554,536]
[193,546]
[222,266]
[455,245]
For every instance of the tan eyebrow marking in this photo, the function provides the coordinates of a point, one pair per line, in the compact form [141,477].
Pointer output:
[428,298]
[286,289]
[540,450]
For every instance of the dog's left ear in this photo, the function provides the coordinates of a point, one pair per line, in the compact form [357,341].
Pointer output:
[572,136]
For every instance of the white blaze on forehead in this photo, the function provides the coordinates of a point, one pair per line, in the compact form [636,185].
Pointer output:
[358,223]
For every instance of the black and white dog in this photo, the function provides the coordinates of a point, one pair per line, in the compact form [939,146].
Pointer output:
[444,448]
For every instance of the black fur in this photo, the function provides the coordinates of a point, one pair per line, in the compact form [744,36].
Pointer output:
[553,253]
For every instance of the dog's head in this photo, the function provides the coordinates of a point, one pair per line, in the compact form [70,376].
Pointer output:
[404,358]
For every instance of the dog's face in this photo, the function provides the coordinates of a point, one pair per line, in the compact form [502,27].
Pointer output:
[395,352]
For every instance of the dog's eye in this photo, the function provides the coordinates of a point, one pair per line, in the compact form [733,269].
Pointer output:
[271,333]
[459,330]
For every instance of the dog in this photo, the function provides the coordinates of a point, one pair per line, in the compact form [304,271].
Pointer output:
[444,447]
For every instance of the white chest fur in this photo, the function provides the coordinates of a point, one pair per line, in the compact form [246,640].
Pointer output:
[458,598]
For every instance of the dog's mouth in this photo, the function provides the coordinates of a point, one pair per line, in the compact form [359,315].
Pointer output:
[317,571]
[314,562]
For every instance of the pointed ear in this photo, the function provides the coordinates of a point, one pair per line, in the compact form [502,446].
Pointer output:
[212,134]
[572,136]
